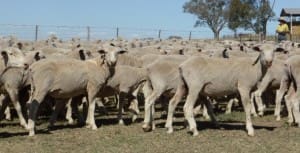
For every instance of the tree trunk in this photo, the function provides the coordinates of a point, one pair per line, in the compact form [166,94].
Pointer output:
[264,35]
[235,34]
[217,35]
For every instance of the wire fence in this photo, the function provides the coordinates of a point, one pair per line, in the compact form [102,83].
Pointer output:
[41,32]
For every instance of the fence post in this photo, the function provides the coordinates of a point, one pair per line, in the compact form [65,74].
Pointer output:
[117,34]
[88,33]
[190,36]
[159,33]
[36,32]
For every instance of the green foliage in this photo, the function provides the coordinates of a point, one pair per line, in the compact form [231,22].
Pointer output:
[250,14]
[213,13]
[238,12]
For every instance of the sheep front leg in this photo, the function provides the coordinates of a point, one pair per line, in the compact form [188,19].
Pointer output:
[245,97]
[92,92]
[14,97]
[4,106]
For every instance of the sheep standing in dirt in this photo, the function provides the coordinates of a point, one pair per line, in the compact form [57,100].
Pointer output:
[272,80]
[290,82]
[63,79]
[218,77]
[118,84]
[12,70]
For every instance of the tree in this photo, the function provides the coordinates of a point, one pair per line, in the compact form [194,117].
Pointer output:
[258,15]
[238,10]
[213,13]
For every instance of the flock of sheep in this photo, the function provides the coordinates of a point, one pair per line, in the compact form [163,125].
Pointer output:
[197,72]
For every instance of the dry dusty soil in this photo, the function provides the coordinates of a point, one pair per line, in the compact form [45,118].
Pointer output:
[271,136]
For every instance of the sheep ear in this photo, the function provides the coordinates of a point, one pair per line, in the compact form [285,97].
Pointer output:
[256,48]
[241,48]
[279,49]
[122,51]
[181,52]
[81,54]
[225,53]
[20,45]
[37,56]
[256,60]
[101,51]
[5,57]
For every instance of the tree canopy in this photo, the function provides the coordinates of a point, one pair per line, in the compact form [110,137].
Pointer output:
[213,13]
[245,14]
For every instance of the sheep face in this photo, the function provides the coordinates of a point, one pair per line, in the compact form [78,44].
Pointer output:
[266,57]
[13,57]
[111,54]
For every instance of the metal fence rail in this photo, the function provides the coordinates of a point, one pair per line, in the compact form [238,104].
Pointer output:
[40,32]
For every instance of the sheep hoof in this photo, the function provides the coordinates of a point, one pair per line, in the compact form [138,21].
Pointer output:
[31,133]
[24,125]
[278,118]
[121,122]
[195,133]
[88,126]
[170,130]
[94,127]
[8,118]
[251,134]
[147,128]
[254,114]
[71,122]
[227,112]
[134,117]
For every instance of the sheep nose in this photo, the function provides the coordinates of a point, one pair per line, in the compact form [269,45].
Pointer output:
[269,63]
[26,66]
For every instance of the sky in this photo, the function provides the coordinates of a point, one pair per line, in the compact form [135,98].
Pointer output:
[137,17]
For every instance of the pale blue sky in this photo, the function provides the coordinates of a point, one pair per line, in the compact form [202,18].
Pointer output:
[134,14]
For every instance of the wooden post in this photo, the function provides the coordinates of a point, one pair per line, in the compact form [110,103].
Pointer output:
[117,34]
[88,33]
[159,33]
[36,32]
[291,21]
[190,35]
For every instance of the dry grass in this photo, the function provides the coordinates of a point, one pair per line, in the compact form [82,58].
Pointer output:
[271,136]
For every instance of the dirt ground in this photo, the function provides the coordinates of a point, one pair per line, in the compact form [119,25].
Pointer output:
[271,136]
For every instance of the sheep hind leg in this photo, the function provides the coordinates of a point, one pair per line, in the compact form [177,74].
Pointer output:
[59,105]
[180,92]
[210,112]
[37,98]
[188,109]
